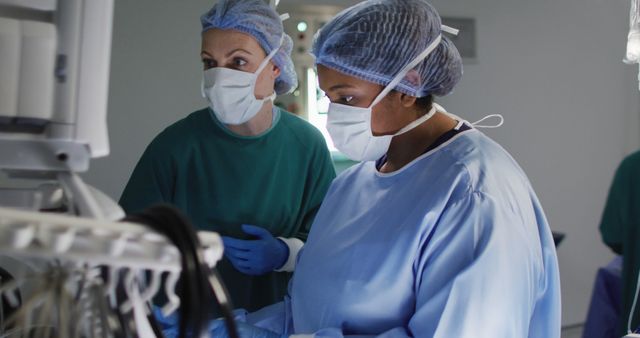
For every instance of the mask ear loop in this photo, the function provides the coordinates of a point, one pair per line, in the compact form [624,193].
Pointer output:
[202,87]
[450,30]
[498,125]
[263,65]
[396,80]
[417,122]
[477,123]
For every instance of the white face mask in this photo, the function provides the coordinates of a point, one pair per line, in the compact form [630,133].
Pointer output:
[231,93]
[350,127]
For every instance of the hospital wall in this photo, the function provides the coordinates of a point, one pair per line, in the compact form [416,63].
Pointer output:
[552,68]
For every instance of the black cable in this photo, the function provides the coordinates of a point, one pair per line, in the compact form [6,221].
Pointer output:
[6,310]
[223,300]
[197,279]
[169,223]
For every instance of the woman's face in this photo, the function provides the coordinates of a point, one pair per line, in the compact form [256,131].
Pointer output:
[239,51]
[388,116]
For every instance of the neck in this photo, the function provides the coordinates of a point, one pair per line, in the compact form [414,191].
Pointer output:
[411,145]
[258,124]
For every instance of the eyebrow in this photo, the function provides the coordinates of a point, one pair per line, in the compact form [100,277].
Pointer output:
[340,86]
[205,53]
[238,50]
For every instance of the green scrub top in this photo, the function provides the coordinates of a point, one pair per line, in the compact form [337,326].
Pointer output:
[620,230]
[221,180]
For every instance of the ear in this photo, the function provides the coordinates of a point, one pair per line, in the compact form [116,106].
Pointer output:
[407,101]
[275,71]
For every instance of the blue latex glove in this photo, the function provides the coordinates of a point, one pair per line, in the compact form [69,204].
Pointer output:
[169,325]
[256,257]
[218,329]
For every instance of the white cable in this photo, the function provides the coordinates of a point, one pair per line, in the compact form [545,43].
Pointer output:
[93,242]
[633,307]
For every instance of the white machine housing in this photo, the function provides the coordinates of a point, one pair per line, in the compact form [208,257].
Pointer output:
[54,72]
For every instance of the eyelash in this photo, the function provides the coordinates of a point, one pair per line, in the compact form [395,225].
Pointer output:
[236,63]
[239,62]
[346,99]
[209,63]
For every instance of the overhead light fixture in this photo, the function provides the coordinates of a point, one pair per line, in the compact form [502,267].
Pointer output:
[302,26]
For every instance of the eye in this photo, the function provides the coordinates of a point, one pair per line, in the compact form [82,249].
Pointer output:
[346,99]
[239,62]
[209,63]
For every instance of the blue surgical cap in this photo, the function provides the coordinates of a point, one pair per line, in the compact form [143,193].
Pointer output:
[258,19]
[375,39]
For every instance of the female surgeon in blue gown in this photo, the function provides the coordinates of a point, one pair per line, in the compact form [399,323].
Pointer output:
[438,232]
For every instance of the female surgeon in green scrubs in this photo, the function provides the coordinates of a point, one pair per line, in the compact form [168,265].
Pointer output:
[241,167]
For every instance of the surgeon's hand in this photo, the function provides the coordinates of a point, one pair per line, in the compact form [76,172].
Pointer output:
[256,257]
[219,329]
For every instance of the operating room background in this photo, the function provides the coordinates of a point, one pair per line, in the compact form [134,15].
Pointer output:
[553,68]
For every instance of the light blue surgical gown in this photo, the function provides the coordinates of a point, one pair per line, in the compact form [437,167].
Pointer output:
[455,244]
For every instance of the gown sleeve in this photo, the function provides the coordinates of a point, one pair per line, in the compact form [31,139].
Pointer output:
[478,275]
[152,179]
[613,218]
[319,177]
